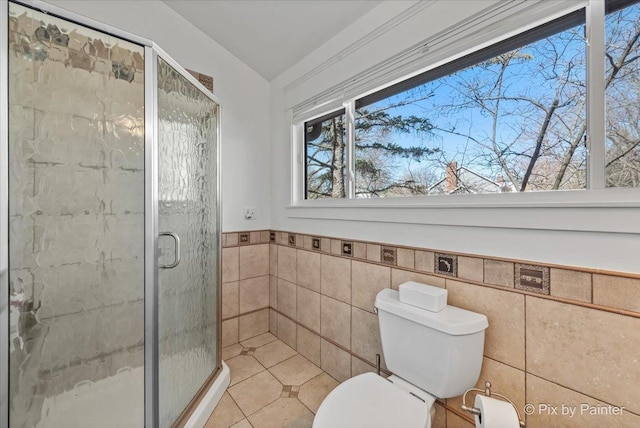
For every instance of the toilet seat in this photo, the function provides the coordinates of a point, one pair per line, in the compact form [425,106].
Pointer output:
[371,401]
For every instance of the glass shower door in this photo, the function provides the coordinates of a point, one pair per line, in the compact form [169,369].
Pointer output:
[188,241]
[76,225]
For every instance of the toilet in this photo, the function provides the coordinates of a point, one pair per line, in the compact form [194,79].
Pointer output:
[431,354]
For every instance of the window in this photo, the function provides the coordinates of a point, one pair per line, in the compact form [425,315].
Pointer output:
[622,83]
[511,117]
[326,156]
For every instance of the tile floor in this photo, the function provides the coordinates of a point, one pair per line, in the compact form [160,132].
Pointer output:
[272,386]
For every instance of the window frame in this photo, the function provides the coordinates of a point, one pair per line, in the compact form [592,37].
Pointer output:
[596,194]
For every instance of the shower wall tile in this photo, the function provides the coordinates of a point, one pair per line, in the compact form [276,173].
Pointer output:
[287,331]
[254,294]
[308,344]
[273,259]
[368,280]
[230,264]
[335,277]
[254,261]
[335,321]
[541,391]
[499,273]
[308,308]
[471,268]
[287,263]
[308,270]
[399,276]
[347,339]
[557,332]
[424,261]
[253,324]
[335,361]
[365,335]
[623,293]
[287,298]
[504,338]
[229,332]
[570,284]
[230,300]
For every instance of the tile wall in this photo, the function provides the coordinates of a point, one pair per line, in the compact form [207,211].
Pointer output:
[557,335]
[245,285]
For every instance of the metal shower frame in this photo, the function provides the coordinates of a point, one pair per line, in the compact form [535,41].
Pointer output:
[151,269]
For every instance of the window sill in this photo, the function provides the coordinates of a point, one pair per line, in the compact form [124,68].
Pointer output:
[602,210]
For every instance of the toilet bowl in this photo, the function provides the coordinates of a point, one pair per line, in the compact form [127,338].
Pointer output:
[431,355]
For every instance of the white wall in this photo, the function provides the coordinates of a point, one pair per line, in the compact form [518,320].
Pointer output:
[244,95]
[591,232]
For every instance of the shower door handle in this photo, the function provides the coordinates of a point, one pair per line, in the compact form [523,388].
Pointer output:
[176,240]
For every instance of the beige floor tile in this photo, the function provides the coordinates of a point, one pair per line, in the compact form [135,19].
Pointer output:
[243,367]
[313,392]
[295,371]
[273,353]
[256,392]
[226,414]
[284,412]
[231,351]
[242,424]
[258,341]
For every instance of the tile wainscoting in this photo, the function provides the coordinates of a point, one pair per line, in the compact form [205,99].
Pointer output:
[557,335]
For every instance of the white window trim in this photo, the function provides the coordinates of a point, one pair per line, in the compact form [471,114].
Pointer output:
[551,208]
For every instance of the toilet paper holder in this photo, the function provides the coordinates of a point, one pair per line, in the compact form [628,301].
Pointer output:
[488,393]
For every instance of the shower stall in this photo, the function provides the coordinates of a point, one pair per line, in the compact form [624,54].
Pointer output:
[109,228]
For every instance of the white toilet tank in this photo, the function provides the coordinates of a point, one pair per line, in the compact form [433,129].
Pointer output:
[439,352]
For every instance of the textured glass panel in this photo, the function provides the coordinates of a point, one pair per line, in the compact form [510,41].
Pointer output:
[76,280]
[187,197]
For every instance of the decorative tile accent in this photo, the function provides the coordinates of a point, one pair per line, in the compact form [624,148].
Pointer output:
[290,391]
[446,264]
[532,278]
[347,248]
[316,244]
[248,351]
[272,237]
[388,255]
[243,238]
[207,81]
[292,239]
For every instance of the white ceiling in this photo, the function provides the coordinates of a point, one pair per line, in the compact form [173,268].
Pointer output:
[271,35]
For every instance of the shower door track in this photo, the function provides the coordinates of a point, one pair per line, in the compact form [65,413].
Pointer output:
[151,327]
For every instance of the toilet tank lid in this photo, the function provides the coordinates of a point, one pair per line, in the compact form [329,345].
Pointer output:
[450,320]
